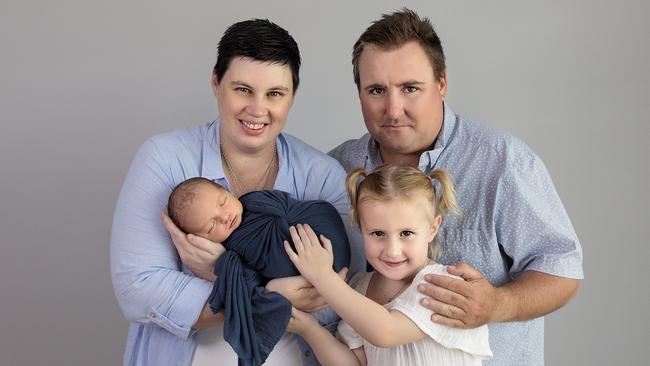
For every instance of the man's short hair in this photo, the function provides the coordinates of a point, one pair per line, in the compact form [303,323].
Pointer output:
[394,30]
[260,40]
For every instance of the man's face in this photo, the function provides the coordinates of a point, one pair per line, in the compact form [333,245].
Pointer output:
[254,99]
[214,213]
[401,99]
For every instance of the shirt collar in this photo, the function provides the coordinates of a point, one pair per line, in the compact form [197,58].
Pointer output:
[429,157]
[448,126]
[211,167]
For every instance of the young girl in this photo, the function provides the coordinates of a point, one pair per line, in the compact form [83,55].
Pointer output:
[398,214]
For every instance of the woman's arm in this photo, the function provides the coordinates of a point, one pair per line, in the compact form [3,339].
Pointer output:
[146,271]
[328,349]
[372,321]
[300,293]
[208,319]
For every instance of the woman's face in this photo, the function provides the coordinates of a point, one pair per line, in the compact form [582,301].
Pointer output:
[254,99]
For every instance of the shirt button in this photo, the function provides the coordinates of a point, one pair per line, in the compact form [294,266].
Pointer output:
[307,353]
[152,315]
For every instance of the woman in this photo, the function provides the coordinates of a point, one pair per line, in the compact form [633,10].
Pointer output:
[254,82]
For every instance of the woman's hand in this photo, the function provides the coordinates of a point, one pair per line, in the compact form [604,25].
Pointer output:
[312,259]
[300,293]
[197,253]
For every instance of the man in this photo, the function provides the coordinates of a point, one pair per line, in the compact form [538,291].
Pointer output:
[513,244]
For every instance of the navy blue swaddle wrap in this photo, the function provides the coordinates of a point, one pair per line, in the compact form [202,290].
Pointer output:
[255,319]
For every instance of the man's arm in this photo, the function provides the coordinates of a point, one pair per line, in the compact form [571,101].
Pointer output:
[534,231]
[474,302]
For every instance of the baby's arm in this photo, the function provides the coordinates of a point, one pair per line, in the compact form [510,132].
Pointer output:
[328,349]
[372,321]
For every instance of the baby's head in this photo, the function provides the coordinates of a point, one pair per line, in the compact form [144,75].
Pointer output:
[204,208]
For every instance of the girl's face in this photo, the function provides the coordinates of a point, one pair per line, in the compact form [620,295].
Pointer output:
[396,235]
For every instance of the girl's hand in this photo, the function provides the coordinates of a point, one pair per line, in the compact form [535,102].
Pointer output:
[301,323]
[312,259]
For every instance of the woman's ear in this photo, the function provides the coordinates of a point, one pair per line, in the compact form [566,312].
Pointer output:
[214,84]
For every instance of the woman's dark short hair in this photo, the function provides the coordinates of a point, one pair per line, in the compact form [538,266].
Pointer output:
[260,40]
[394,30]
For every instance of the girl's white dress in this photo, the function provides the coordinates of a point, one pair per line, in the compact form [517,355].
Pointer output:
[443,346]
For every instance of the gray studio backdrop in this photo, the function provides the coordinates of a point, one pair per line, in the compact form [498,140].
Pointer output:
[84,83]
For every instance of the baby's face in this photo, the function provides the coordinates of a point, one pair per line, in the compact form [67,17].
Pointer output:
[214,214]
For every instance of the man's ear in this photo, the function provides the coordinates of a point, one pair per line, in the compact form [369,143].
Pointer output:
[442,85]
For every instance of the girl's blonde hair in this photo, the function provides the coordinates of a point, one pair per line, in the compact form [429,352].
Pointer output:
[388,182]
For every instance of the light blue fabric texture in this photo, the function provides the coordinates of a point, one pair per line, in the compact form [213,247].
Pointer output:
[160,298]
[512,218]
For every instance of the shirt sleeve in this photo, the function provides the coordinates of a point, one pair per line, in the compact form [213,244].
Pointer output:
[349,336]
[473,341]
[532,225]
[145,268]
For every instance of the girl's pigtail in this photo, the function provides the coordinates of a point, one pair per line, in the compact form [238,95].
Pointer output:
[447,201]
[352,184]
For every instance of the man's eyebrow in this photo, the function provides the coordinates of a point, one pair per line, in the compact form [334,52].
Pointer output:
[411,82]
[279,88]
[402,84]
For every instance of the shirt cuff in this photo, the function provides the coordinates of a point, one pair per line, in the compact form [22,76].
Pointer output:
[184,313]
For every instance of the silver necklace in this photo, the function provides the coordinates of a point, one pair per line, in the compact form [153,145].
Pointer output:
[238,186]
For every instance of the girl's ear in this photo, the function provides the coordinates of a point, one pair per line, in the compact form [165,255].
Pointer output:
[435,226]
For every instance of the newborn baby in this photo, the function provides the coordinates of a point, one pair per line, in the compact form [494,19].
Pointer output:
[253,229]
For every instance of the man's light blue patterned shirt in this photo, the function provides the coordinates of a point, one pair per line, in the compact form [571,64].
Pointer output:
[512,218]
